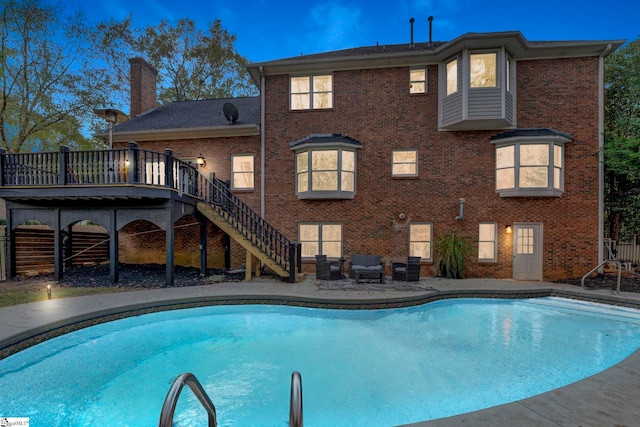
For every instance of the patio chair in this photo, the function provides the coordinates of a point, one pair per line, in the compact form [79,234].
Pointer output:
[328,270]
[409,272]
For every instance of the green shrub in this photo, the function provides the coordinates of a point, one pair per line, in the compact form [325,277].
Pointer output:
[452,252]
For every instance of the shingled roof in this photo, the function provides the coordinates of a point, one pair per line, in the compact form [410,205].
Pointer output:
[329,138]
[530,133]
[205,113]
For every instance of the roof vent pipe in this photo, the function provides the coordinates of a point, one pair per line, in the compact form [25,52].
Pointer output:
[430,30]
[411,45]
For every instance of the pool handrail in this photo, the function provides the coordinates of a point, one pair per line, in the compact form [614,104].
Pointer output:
[295,404]
[618,263]
[170,402]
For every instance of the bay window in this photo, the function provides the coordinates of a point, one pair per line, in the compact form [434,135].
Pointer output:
[326,167]
[530,165]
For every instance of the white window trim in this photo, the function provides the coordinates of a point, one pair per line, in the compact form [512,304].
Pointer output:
[233,172]
[320,240]
[310,93]
[548,191]
[494,241]
[430,224]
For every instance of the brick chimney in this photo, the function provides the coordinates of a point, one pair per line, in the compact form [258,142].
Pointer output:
[143,86]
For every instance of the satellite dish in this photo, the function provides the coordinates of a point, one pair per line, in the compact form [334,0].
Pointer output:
[230,112]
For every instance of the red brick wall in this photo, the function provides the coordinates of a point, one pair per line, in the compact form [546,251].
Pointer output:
[142,77]
[375,107]
[142,242]
[150,247]
[217,153]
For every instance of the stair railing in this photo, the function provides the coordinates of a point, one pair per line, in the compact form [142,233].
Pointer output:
[250,224]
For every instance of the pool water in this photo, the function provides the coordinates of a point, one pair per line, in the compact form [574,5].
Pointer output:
[359,367]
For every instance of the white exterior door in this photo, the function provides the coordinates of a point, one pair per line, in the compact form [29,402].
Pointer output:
[527,251]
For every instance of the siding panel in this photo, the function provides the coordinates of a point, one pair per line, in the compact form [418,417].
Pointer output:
[485,104]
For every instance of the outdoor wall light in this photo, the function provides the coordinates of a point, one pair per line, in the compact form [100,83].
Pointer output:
[200,161]
[507,228]
[126,162]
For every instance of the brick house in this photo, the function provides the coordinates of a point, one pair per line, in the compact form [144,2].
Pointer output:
[383,149]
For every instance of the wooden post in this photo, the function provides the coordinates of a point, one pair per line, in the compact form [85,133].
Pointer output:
[57,246]
[168,168]
[203,246]
[113,248]
[132,156]
[257,266]
[3,156]
[248,265]
[170,236]
[64,165]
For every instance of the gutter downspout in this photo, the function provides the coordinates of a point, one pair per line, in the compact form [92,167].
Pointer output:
[262,147]
[601,89]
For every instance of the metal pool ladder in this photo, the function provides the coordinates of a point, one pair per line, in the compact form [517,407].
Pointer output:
[170,402]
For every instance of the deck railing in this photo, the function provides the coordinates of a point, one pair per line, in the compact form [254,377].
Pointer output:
[135,166]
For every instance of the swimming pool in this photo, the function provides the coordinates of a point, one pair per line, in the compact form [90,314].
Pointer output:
[379,367]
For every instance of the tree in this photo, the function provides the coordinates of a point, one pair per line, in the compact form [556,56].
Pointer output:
[47,77]
[622,141]
[191,64]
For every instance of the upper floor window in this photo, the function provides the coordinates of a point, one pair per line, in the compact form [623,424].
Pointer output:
[420,240]
[482,70]
[418,80]
[326,171]
[530,165]
[312,92]
[326,167]
[477,91]
[404,163]
[242,172]
[452,76]
[487,242]
[321,238]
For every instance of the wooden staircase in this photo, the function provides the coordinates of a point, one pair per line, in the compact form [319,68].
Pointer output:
[251,243]
[247,228]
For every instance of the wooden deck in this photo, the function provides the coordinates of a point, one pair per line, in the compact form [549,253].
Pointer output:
[116,187]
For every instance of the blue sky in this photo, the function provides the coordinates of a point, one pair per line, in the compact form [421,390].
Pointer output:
[274,29]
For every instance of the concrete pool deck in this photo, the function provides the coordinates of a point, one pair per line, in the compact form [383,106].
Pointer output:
[609,398]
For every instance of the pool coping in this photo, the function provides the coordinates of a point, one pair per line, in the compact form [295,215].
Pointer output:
[607,398]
